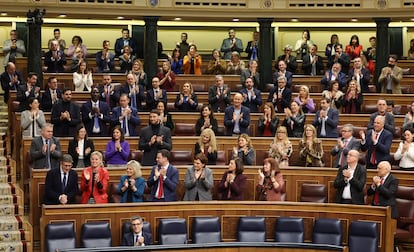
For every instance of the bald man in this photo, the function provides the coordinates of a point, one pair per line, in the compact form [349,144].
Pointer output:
[384,188]
[350,181]
[237,117]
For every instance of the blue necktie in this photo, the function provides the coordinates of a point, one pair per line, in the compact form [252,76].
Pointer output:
[64,182]
[96,121]
[254,54]
[133,100]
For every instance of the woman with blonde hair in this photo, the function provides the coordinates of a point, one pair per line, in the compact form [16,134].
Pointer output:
[270,186]
[167,77]
[186,100]
[94,183]
[268,122]
[207,144]
[140,75]
[304,100]
[281,148]
[310,148]
[353,98]
[132,184]
[244,150]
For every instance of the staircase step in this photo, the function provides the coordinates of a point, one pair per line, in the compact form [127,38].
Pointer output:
[8,199]
[11,236]
[12,246]
[9,210]
[10,224]
[6,189]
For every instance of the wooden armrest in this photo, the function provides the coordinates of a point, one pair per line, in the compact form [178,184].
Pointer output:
[406,220]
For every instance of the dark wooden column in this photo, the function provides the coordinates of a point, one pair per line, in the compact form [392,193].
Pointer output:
[265,51]
[383,47]
[34,47]
[151,47]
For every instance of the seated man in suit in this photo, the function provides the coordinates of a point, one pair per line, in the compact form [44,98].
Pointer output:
[344,144]
[10,79]
[350,181]
[384,188]
[61,184]
[52,94]
[95,115]
[382,111]
[163,179]
[326,120]
[237,117]
[137,237]
[126,116]
[252,97]
[45,150]
[154,138]
[378,143]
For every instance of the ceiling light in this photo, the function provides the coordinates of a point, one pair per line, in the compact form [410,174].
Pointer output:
[62,16]
[177,19]
[354,19]
[3,13]
[236,20]
[294,20]
[120,17]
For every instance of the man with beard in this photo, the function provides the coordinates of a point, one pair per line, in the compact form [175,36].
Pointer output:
[390,78]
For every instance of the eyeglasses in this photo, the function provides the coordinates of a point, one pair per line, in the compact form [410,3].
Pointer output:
[345,130]
[280,132]
[136,224]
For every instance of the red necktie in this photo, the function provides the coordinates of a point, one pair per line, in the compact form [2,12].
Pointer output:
[160,187]
[373,159]
[376,195]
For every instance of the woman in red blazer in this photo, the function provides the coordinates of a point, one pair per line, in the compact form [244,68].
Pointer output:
[95,181]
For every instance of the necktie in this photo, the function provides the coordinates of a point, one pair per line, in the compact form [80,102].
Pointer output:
[342,158]
[377,193]
[133,99]
[48,165]
[373,159]
[313,73]
[34,127]
[96,121]
[64,182]
[136,240]
[323,129]
[160,187]
[124,125]
[108,94]
[156,95]
[254,54]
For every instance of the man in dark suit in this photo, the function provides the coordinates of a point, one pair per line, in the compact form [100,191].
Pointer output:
[340,57]
[55,59]
[134,91]
[45,150]
[252,48]
[290,60]
[95,115]
[52,94]
[384,188]
[280,95]
[378,143]
[153,138]
[326,120]
[344,145]
[360,74]
[10,79]
[312,63]
[126,116]
[334,74]
[137,237]
[65,115]
[237,117]
[281,71]
[382,111]
[219,95]
[163,179]
[252,97]
[61,184]
[125,40]
[28,90]
[108,91]
[155,94]
[350,181]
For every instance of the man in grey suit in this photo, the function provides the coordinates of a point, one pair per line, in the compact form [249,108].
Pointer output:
[350,181]
[346,143]
[231,44]
[13,47]
[45,150]
[219,96]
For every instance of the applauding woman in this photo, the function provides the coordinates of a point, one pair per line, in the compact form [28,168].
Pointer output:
[167,77]
[281,147]
[80,148]
[94,181]
[268,121]
[408,119]
[233,182]
[271,185]
[216,65]
[140,75]
[176,61]
[207,145]
[132,184]
[352,99]
[405,151]
[304,100]
[244,150]
[117,150]
[206,120]
[198,180]
[192,61]
[294,120]
[32,120]
[310,148]
[82,78]
[186,100]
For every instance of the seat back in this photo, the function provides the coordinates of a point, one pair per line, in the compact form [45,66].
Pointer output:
[221,157]
[314,193]
[172,231]
[184,129]
[251,229]
[206,230]
[289,229]
[363,236]
[181,157]
[327,231]
[126,228]
[405,206]
[60,235]
[96,234]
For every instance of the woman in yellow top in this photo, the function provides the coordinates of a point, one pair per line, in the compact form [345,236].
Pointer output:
[192,61]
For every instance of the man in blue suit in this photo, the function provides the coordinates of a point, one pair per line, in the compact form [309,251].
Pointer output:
[326,120]
[282,72]
[237,117]
[95,115]
[252,97]
[155,94]
[334,74]
[126,116]
[137,237]
[125,40]
[378,143]
[164,178]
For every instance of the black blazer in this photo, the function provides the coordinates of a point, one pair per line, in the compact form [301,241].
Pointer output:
[53,186]
[200,123]
[89,122]
[46,103]
[125,89]
[284,102]
[307,67]
[128,239]
[75,156]
[150,152]
[357,184]
[151,102]
[133,122]
[5,83]
[65,128]
[387,192]
[211,157]
[113,98]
